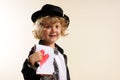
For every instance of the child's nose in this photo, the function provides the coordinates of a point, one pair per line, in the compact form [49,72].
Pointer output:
[53,29]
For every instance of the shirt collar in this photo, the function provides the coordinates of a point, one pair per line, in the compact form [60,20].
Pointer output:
[57,46]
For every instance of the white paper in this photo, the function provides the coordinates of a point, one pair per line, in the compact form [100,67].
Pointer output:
[47,66]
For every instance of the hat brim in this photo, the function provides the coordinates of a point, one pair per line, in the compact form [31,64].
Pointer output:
[39,14]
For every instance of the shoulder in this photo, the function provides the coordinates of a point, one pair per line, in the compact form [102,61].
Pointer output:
[59,48]
[32,50]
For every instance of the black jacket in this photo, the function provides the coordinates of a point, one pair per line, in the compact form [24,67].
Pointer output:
[30,74]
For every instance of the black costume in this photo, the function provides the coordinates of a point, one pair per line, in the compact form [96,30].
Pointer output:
[30,73]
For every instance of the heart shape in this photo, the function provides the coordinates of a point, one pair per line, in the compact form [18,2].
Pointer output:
[44,57]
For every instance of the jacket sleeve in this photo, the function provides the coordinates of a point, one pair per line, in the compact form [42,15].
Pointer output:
[28,72]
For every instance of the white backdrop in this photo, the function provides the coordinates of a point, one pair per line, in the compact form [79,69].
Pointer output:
[92,46]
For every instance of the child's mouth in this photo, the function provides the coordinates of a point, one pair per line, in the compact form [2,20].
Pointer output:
[52,35]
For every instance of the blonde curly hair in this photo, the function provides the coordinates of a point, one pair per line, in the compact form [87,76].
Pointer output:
[40,22]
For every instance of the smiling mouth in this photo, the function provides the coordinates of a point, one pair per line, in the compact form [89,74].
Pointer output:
[53,35]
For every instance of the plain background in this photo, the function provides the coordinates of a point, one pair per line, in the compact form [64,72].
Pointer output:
[92,46]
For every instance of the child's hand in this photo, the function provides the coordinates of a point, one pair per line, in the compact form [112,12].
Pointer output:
[35,57]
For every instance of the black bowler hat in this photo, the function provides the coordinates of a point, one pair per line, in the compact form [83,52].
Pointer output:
[49,9]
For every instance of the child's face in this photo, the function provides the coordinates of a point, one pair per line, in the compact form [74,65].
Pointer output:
[51,32]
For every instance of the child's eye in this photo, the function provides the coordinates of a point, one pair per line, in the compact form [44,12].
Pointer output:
[57,26]
[48,27]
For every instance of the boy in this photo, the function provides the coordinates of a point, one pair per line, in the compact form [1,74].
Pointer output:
[50,24]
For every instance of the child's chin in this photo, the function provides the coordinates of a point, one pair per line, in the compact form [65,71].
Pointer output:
[54,40]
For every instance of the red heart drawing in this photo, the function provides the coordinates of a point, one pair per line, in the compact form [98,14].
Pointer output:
[44,57]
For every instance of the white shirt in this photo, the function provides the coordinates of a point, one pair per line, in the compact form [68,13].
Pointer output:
[61,66]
